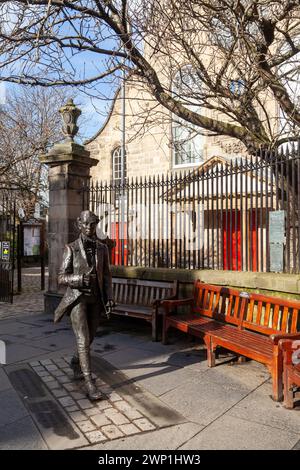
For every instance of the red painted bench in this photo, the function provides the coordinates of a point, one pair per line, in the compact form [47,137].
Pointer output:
[291,370]
[249,325]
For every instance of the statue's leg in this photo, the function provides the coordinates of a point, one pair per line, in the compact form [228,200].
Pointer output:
[81,331]
[93,320]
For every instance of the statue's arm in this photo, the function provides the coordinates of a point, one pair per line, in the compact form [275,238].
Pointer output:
[66,277]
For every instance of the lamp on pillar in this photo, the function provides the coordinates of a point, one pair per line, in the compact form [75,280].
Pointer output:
[69,171]
[70,113]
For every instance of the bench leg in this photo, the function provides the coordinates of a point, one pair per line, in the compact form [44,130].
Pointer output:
[154,326]
[277,377]
[288,394]
[165,331]
[211,355]
[242,359]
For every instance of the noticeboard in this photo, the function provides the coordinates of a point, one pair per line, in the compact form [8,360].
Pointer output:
[31,240]
[277,240]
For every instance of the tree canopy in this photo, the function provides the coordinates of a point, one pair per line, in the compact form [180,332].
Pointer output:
[239,58]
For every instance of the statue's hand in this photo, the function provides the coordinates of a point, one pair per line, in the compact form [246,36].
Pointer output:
[108,308]
[87,279]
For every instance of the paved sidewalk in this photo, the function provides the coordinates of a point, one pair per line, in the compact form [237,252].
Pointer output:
[31,301]
[158,397]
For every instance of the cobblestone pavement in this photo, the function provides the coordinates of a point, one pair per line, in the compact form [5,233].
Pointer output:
[100,421]
[31,300]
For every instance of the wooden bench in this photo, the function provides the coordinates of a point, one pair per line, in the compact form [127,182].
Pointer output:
[249,325]
[291,370]
[141,299]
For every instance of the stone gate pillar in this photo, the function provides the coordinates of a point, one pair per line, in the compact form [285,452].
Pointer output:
[69,170]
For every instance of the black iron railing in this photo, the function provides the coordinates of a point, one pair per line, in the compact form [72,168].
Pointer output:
[238,214]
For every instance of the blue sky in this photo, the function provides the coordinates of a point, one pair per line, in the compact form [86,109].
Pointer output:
[95,102]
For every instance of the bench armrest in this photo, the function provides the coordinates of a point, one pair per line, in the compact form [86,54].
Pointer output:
[290,353]
[157,302]
[287,345]
[169,305]
[277,337]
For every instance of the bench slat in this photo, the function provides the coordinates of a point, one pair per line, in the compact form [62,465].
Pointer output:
[294,320]
[267,314]
[284,321]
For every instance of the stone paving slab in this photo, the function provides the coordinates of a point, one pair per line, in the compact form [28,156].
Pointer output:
[216,399]
[21,434]
[230,433]
[13,409]
[259,408]
[4,382]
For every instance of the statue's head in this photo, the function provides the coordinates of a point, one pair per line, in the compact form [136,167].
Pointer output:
[87,223]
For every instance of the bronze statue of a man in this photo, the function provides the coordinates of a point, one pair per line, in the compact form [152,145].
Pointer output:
[85,270]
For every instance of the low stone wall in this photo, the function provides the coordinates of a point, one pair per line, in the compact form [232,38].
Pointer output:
[277,284]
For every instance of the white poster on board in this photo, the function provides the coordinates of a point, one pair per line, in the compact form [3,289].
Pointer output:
[32,235]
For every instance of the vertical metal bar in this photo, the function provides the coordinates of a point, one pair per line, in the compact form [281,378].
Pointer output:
[163,215]
[135,221]
[145,221]
[154,222]
[246,247]
[168,214]
[212,217]
[262,164]
[174,206]
[189,219]
[13,251]
[298,204]
[199,220]
[181,214]
[19,256]
[251,218]
[230,219]
[171,236]
[276,164]
[149,222]
[221,173]
[140,263]
[258,240]
[236,216]
[184,220]
[158,220]
[241,213]
[293,221]
[208,219]
[226,173]
[267,208]
[195,221]
[288,213]
[217,215]
[42,255]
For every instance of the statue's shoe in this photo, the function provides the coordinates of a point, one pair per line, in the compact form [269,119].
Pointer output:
[93,393]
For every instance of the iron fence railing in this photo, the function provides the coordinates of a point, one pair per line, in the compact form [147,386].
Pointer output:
[240,214]
[7,245]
